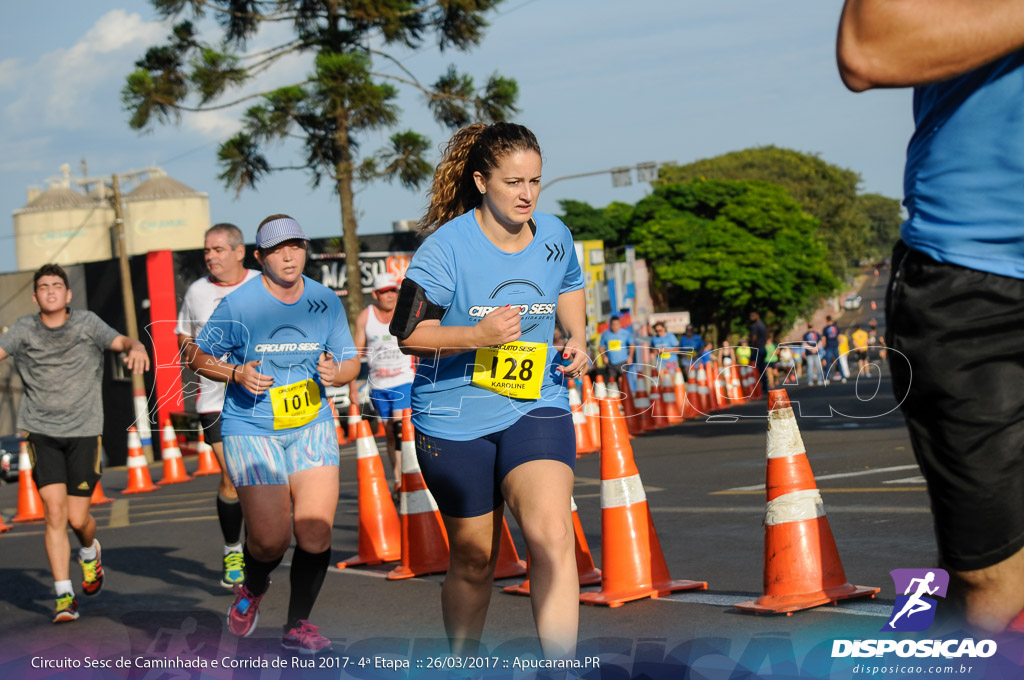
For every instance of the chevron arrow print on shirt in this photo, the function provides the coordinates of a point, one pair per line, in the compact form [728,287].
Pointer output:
[556,251]
[316,306]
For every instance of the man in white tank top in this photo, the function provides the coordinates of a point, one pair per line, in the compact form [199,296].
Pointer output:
[223,251]
[391,372]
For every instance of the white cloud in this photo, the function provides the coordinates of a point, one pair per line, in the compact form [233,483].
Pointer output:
[9,72]
[62,89]
[217,124]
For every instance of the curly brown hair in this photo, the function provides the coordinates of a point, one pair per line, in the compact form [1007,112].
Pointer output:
[474,148]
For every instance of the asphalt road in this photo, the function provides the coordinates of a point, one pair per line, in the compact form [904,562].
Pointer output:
[704,482]
[705,486]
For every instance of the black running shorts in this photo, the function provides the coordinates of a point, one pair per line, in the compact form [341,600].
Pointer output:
[211,427]
[957,369]
[73,461]
[465,477]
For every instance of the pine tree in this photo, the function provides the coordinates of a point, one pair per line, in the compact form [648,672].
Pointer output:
[338,103]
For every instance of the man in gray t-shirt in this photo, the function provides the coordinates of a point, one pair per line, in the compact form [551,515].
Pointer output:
[59,355]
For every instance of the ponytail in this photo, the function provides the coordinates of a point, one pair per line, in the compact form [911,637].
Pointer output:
[474,148]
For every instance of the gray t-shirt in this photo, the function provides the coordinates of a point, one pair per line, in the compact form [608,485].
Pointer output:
[62,370]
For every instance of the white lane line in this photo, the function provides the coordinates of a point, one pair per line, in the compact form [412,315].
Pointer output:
[838,475]
[870,509]
[844,606]
[907,480]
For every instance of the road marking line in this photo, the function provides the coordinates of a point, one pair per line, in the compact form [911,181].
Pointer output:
[907,480]
[872,509]
[859,489]
[854,608]
[838,475]
[119,513]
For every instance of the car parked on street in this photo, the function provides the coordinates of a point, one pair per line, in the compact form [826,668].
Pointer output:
[853,301]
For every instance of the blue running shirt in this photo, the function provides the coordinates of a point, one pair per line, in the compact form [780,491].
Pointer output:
[461,270]
[965,166]
[253,325]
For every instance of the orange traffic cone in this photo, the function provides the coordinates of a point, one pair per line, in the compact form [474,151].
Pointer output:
[703,391]
[338,429]
[668,398]
[353,421]
[644,405]
[802,568]
[381,432]
[98,497]
[691,402]
[139,480]
[174,466]
[715,387]
[588,573]
[380,536]
[3,527]
[30,503]
[424,539]
[208,464]
[600,391]
[633,424]
[592,411]
[681,389]
[631,558]
[509,565]
[658,418]
[584,444]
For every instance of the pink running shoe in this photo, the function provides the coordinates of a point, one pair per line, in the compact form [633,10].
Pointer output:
[245,612]
[305,638]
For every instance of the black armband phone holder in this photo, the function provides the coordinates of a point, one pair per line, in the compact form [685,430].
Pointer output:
[411,308]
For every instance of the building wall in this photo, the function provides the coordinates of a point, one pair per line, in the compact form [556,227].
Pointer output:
[166,224]
[62,236]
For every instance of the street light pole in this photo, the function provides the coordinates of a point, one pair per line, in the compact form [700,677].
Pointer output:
[131,324]
[645,172]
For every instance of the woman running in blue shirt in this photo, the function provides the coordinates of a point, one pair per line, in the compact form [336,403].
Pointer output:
[286,338]
[491,410]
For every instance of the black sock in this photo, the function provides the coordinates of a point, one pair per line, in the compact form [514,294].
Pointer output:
[307,577]
[229,512]
[257,574]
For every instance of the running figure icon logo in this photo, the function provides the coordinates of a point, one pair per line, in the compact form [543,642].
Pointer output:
[914,610]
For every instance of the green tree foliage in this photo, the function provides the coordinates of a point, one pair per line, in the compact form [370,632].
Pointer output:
[610,224]
[884,218]
[335,105]
[827,192]
[722,249]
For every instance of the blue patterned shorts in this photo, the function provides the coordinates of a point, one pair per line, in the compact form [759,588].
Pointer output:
[272,459]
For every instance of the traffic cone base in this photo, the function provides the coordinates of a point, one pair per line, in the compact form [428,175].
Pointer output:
[208,464]
[633,565]
[4,527]
[380,534]
[174,466]
[30,503]
[98,497]
[139,480]
[424,539]
[802,568]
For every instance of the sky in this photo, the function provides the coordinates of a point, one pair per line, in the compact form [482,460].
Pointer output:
[602,83]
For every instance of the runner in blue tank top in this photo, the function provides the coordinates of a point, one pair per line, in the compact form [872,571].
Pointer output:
[286,337]
[491,410]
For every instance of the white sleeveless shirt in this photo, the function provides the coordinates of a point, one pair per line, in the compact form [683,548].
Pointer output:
[388,366]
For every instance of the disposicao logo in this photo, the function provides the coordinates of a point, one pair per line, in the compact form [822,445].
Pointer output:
[914,610]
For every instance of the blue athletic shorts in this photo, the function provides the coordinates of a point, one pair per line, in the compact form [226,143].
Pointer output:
[388,402]
[465,477]
[272,459]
